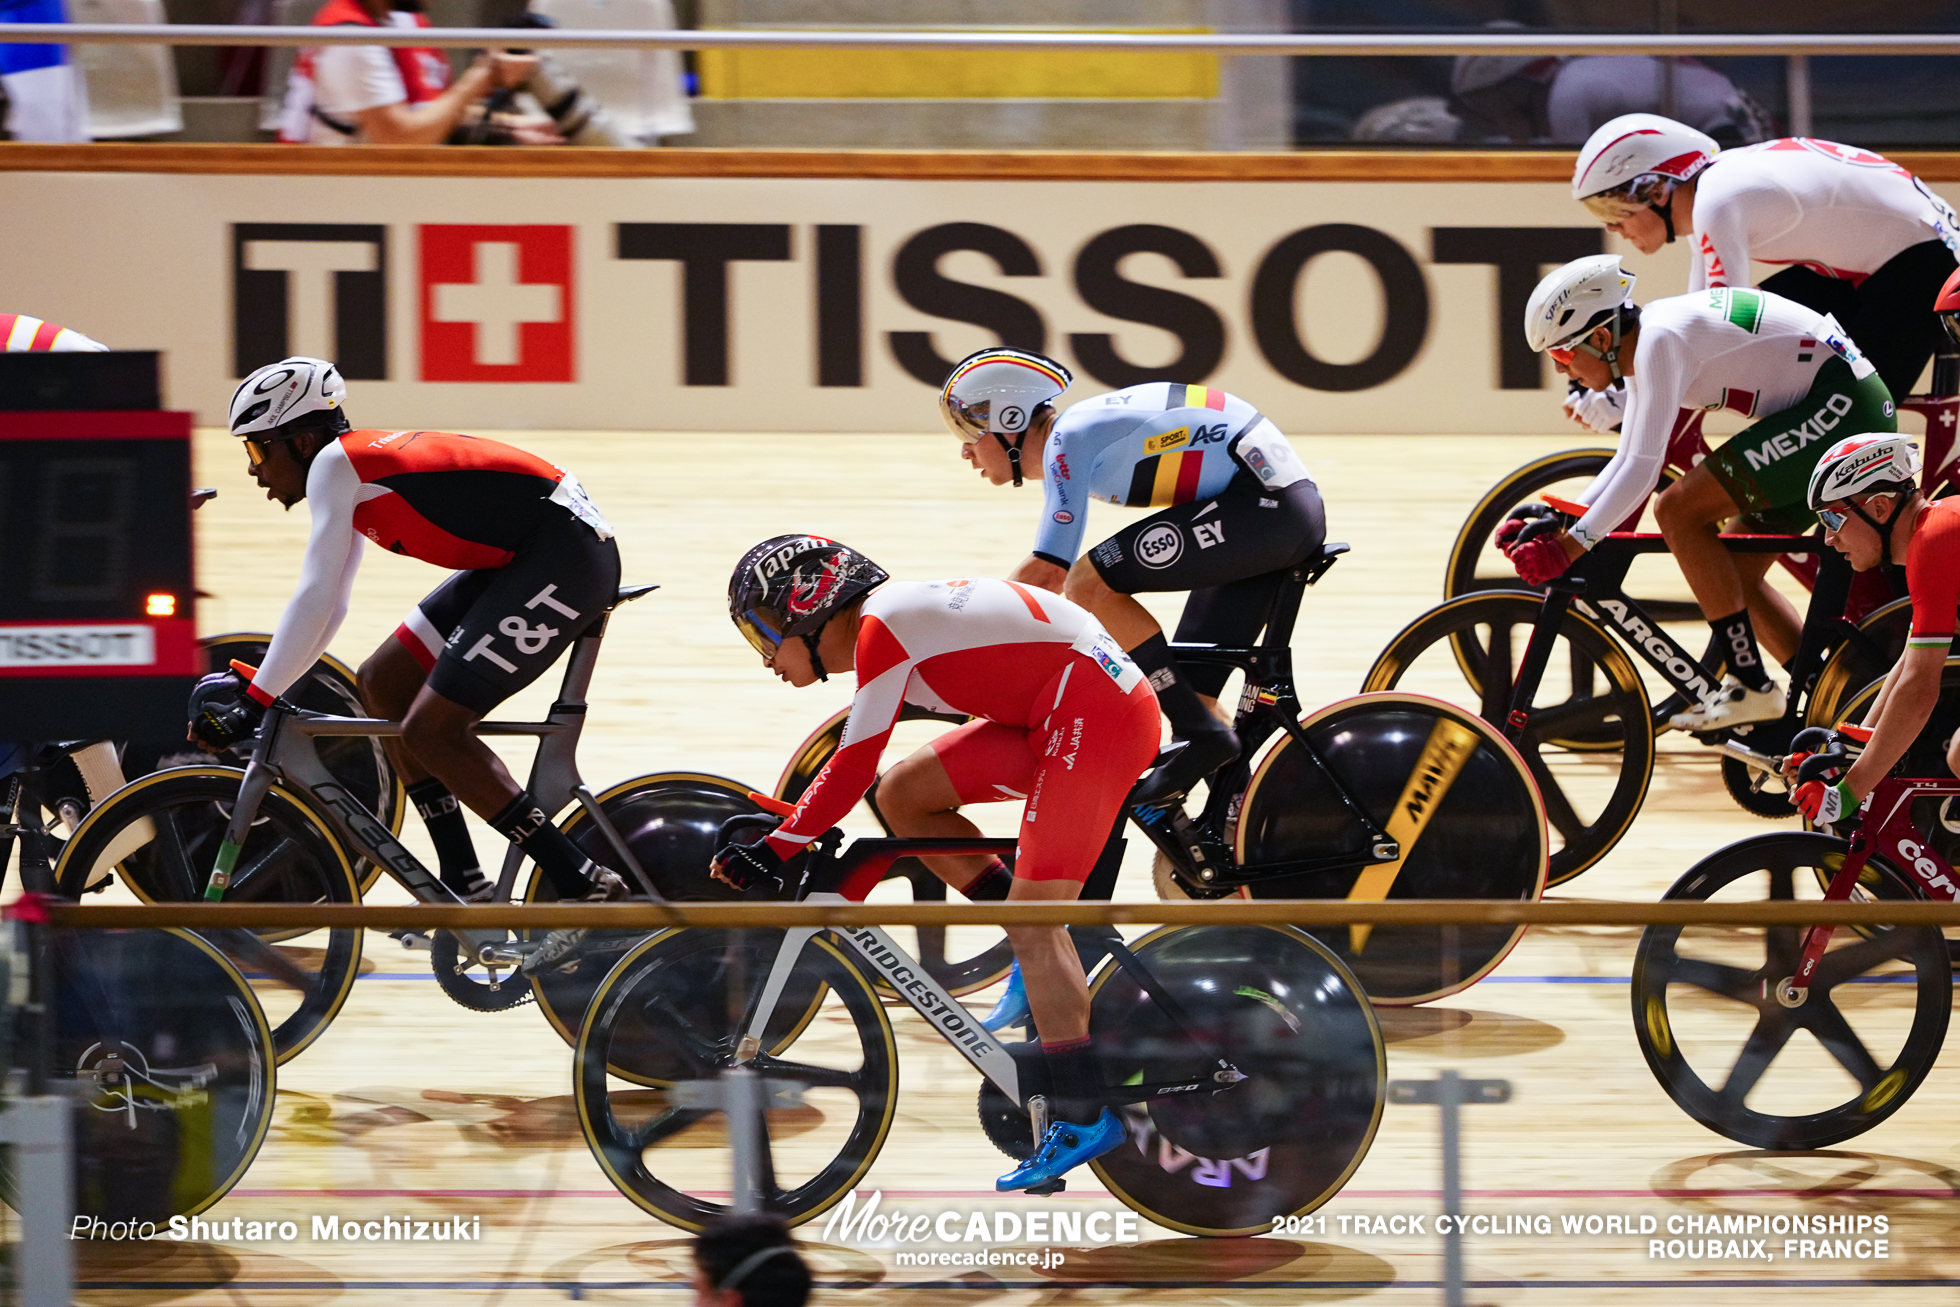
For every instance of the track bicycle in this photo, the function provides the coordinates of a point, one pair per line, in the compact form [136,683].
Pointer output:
[1245,1061]
[1382,796]
[1573,703]
[296,829]
[1475,563]
[154,1034]
[1719,1013]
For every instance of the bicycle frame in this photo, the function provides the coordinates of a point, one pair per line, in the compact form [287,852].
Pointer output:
[1596,584]
[1889,811]
[1268,705]
[848,878]
[284,753]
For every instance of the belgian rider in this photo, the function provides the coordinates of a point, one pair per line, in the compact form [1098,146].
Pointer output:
[1236,507]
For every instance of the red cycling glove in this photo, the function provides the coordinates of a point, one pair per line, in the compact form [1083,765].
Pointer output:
[1539,561]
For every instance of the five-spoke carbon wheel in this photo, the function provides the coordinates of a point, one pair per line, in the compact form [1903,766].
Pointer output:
[672,1010]
[161,835]
[1725,1048]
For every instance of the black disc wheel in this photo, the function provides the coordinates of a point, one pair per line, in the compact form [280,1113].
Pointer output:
[1476,563]
[1732,1056]
[171,1066]
[1282,1010]
[961,958]
[161,834]
[1589,739]
[1441,783]
[358,762]
[672,1010]
[669,820]
[1866,655]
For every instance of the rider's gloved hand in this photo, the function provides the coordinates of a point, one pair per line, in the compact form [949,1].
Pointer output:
[1826,803]
[1517,519]
[1539,561]
[1602,410]
[745,866]
[223,711]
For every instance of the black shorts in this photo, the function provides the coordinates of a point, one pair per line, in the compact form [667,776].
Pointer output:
[1228,551]
[483,635]
[1889,315]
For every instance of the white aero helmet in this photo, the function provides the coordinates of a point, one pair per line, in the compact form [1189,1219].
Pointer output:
[288,391]
[1635,162]
[1574,299]
[1862,465]
[996,392]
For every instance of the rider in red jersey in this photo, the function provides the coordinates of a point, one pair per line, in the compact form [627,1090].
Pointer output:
[1062,718]
[536,565]
[1866,493]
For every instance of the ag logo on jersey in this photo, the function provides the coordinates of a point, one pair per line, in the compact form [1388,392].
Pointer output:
[1167,440]
[1160,546]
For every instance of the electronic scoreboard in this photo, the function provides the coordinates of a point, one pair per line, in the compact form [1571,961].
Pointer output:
[97,592]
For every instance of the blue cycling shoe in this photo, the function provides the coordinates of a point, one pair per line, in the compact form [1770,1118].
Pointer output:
[1012,1010]
[1065,1147]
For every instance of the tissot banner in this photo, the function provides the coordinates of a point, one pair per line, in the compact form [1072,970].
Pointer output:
[720,304]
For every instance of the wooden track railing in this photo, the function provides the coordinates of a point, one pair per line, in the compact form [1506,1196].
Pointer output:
[1296,912]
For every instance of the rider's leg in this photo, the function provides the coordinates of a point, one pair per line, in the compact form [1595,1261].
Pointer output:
[921,795]
[389,682]
[1779,627]
[1690,513]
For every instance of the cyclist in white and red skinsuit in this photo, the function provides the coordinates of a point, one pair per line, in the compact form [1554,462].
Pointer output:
[20,334]
[1857,236]
[1062,719]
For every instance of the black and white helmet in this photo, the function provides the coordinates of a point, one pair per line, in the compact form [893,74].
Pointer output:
[286,393]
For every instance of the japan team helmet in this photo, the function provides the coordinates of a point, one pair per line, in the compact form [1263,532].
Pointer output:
[1574,299]
[1636,160]
[288,392]
[791,585]
[998,390]
[1863,465]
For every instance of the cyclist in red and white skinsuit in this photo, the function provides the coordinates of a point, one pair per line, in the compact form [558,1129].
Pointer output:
[1062,719]
[535,566]
[1856,236]
[20,334]
[1865,489]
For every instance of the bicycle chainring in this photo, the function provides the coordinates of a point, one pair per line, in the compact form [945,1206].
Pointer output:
[1007,1127]
[465,988]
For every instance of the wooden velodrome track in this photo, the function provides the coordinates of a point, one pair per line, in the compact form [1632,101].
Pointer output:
[412,1106]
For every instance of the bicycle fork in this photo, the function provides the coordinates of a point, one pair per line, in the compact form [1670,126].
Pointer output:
[1793,990]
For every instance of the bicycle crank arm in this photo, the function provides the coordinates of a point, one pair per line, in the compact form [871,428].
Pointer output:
[1742,753]
[1217,1082]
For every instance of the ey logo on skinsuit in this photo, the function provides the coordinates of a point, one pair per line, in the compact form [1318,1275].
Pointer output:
[497,303]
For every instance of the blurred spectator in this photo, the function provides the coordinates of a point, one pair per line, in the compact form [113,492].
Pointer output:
[749,1261]
[46,100]
[381,95]
[1560,101]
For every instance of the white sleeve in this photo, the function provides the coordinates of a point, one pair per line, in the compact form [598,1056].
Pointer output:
[350,78]
[326,579]
[1653,397]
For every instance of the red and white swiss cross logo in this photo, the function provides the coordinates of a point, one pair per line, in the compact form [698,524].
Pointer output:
[497,303]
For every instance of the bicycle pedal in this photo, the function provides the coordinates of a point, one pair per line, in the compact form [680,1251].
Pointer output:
[1054,1186]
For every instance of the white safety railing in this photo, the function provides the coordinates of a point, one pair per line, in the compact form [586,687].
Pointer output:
[1795,48]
